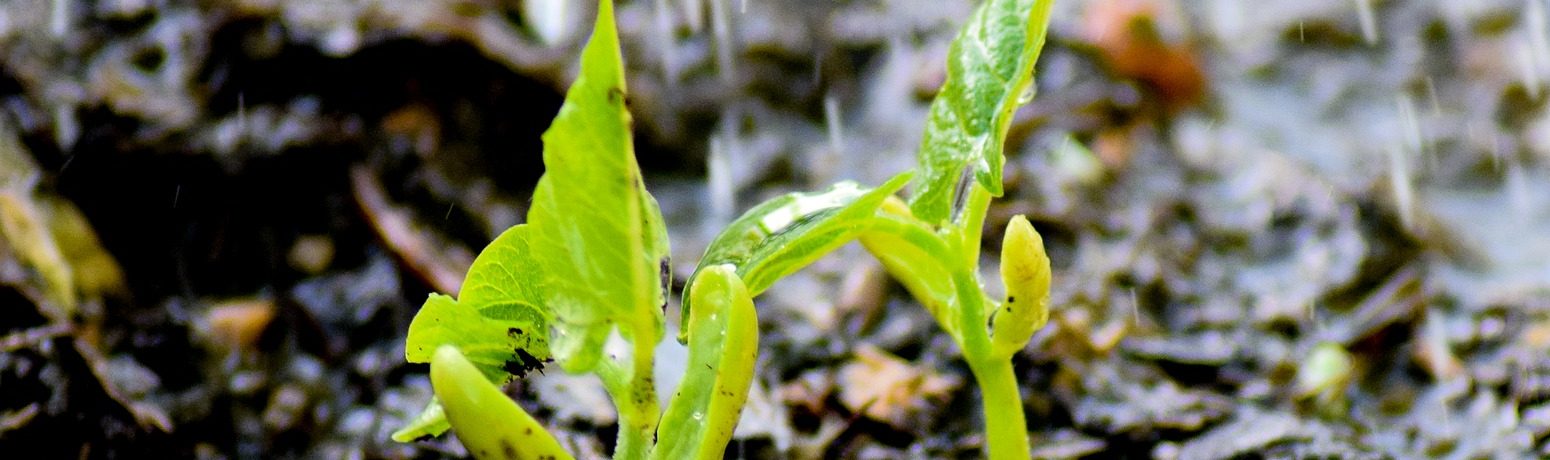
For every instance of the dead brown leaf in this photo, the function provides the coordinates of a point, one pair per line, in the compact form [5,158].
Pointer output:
[888,389]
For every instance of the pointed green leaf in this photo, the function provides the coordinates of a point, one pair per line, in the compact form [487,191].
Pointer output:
[498,322]
[786,233]
[989,74]
[723,347]
[597,232]
[488,423]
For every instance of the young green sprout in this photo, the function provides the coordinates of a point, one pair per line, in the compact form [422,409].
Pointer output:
[930,244]
[584,274]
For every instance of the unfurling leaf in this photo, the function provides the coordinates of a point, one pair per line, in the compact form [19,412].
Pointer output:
[1026,273]
[989,74]
[489,424]
[723,347]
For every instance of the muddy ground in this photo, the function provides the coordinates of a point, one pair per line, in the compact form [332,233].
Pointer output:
[1279,229]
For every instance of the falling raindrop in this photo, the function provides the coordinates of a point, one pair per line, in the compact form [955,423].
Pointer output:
[1524,53]
[833,159]
[1399,181]
[1368,20]
[722,34]
[1135,307]
[1538,29]
[718,175]
[665,42]
[831,118]
[1517,190]
[67,129]
[59,19]
[694,14]
[549,19]
[1410,126]
[242,114]
[1431,96]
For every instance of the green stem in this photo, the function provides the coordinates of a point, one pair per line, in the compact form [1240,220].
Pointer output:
[636,400]
[972,223]
[1006,432]
[957,249]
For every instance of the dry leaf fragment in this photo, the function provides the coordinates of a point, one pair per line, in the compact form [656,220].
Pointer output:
[1126,31]
[888,389]
[438,265]
[237,324]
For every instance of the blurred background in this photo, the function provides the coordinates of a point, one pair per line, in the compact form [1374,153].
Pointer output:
[1279,229]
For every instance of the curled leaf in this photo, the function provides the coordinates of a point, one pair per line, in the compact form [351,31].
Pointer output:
[723,347]
[502,349]
[989,74]
[1026,273]
[498,322]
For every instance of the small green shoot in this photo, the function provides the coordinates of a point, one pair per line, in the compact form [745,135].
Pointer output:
[583,283]
[932,244]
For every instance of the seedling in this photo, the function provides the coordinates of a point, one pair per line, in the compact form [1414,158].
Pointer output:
[583,282]
[932,243]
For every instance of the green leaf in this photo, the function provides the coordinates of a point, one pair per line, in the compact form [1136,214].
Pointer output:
[506,282]
[723,347]
[502,349]
[784,234]
[497,321]
[989,74]
[488,423]
[597,232]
